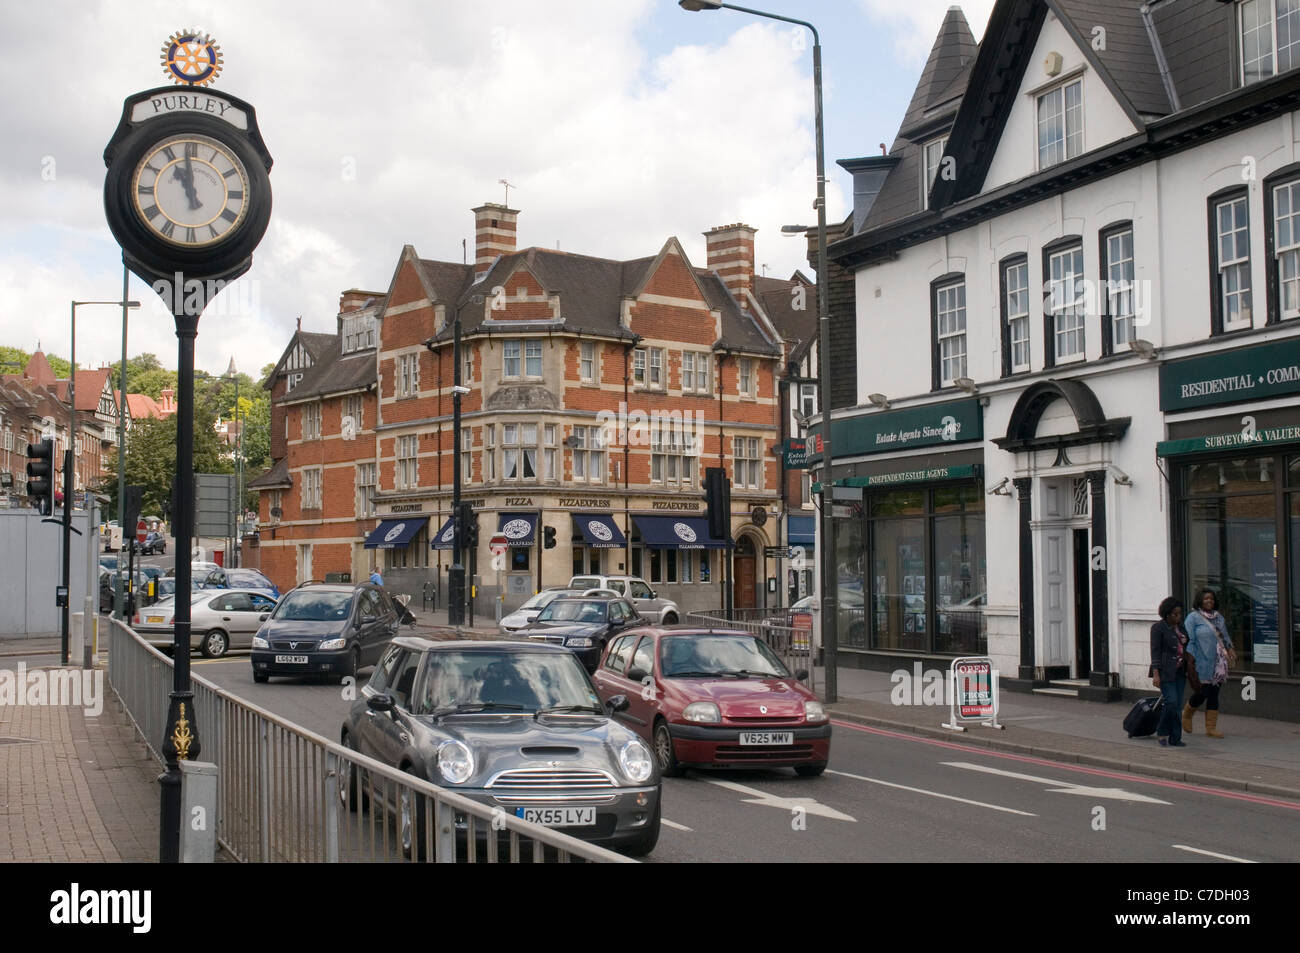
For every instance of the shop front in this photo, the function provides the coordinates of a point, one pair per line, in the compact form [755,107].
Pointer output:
[1234,479]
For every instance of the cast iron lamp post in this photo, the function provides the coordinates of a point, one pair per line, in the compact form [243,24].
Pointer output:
[239,464]
[827,576]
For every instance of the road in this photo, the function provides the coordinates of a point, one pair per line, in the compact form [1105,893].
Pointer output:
[901,798]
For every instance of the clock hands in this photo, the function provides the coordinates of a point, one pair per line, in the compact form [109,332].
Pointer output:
[186,179]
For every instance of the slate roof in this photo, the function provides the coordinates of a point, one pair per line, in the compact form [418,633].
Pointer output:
[277,476]
[335,373]
[591,291]
[797,327]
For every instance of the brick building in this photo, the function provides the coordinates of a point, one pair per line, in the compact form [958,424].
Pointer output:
[598,392]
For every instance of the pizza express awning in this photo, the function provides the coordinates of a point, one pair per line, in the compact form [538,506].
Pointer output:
[394,534]
[519,529]
[446,538]
[677,532]
[599,531]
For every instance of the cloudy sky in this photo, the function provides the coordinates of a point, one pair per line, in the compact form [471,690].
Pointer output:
[617,122]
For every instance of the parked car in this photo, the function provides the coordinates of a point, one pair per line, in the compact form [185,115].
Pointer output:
[583,624]
[153,543]
[240,579]
[714,698]
[647,602]
[135,586]
[197,568]
[108,563]
[851,616]
[322,629]
[527,612]
[165,586]
[220,620]
[511,725]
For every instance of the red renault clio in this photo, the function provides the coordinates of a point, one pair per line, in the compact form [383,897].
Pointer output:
[715,698]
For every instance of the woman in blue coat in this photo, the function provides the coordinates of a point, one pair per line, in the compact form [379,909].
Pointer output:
[1209,644]
[1169,669]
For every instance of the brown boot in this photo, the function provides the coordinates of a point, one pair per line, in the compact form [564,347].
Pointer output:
[1188,712]
[1212,724]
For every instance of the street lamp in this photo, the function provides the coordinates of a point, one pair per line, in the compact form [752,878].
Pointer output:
[827,577]
[70,471]
[239,463]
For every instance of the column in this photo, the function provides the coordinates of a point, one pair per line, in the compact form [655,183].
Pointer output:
[1023,487]
[1099,560]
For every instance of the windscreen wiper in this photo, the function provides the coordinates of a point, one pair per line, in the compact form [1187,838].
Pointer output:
[555,709]
[471,707]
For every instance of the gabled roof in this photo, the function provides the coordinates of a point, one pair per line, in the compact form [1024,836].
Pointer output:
[316,343]
[38,370]
[797,326]
[335,373]
[90,387]
[1126,61]
[277,476]
[141,406]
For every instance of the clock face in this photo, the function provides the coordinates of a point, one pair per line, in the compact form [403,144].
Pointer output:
[191,190]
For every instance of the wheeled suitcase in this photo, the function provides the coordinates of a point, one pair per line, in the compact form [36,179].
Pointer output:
[1144,717]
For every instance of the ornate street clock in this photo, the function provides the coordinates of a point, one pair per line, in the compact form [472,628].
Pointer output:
[187,188]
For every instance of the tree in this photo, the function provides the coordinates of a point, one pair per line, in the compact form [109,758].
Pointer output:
[145,374]
[13,360]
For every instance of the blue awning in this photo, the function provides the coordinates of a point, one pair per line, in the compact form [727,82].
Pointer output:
[519,529]
[801,530]
[393,534]
[677,532]
[599,532]
[446,538]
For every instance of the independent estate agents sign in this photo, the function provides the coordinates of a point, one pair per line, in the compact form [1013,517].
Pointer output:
[890,431]
[1226,377]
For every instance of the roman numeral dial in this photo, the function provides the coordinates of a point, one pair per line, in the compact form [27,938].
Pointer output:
[191,191]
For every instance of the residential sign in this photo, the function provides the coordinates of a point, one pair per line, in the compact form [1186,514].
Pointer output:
[889,431]
[1226,377]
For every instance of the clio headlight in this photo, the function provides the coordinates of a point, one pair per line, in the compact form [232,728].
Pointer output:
[702,712]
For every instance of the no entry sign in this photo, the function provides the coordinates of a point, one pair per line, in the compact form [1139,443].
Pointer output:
[141,531]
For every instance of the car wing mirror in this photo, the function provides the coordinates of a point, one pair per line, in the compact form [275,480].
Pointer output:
[408,617]
[616,704]
[366,620]
[801,674]
[637,674]
[381,702]
[264,616]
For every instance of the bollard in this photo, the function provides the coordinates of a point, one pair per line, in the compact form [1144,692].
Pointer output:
[90,622]
[76,637]
[198,812]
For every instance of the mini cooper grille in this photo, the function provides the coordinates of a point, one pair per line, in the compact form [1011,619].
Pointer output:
[523,780]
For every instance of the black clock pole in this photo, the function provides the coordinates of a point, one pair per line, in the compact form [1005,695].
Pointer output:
[181,741]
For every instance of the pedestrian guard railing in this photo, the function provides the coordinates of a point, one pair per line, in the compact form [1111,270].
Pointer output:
[286,794]
[788,633]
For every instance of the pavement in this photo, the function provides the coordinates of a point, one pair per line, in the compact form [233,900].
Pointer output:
[81,787]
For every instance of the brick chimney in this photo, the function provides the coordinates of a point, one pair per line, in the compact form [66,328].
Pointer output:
[494,234]
[167,405]
[731,255]
[354,299]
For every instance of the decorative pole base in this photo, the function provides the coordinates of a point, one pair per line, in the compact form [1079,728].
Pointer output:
[181,743]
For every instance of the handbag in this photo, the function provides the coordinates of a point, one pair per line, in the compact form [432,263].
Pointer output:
[1192,678]
[1220,664]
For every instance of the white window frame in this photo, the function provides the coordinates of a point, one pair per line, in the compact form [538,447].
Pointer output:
[1068,306]
[655,368]
[408,375]
[466,461]
[587,361]
[950,331]
[638,366]
[532,357]
[1016,308]
[467,373]
[589,454]
[312,479]
[747,461]
[406,474]
[1286,248]
[1233,269]
[512,352]
[808,399]
[673,456]
[746,377]
[1070,142]
[311,421]
[1120,278]
[696,364]
[931,161]
[353,406]
[1271,59]
[366,482]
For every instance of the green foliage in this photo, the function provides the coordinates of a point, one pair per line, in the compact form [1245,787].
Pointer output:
[145,374]
[14,360]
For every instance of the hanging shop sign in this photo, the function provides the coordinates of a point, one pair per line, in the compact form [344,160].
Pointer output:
[958,421]
[1226,377]
[795,453]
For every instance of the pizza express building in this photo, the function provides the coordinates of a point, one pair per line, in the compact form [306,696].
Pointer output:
[1077,279]
[598,390]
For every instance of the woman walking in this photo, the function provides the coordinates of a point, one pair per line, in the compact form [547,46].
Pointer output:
[1169,670]
[1210,645]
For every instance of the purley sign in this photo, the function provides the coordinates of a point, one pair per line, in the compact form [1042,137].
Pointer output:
[1227,377]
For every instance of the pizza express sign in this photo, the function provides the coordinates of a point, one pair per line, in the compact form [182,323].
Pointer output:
[1227,377]
[889,431]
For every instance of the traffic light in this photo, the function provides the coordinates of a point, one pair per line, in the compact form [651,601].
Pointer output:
[131,504]
[717,495]
[548,537]
[471,534]
[466,526]
[40,475]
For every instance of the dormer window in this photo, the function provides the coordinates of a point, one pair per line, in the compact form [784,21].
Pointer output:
[933,158]
[1060,124]
[1270,38]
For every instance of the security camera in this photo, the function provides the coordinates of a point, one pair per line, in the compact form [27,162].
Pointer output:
[460,389]
[1121,478]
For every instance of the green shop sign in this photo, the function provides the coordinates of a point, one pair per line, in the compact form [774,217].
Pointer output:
[1226,377]
[958,421]
[796,453]
[1246,438]
[921,475]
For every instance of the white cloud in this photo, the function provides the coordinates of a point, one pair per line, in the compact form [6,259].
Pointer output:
[916,22]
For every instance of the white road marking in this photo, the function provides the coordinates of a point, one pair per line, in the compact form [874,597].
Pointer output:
[1210,853]
[1061,787]
[673,824]
[762,798]
[946,797]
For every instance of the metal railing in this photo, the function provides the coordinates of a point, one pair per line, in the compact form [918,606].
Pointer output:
[285,794]
[793,644]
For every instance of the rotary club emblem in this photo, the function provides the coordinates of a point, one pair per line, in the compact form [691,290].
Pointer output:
[191,58]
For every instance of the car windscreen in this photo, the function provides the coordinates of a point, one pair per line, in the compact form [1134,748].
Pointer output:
[574,610]
[542,599]
[513,681]
[687,656]
[248,579]
[307,605]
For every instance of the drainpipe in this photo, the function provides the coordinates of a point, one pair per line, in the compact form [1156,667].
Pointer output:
[1161,63]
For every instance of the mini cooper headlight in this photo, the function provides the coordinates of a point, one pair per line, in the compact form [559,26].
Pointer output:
[813,711]
[702,711]
[634,759]
[332,644]
[578,642]
[455,761]
[260,643]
